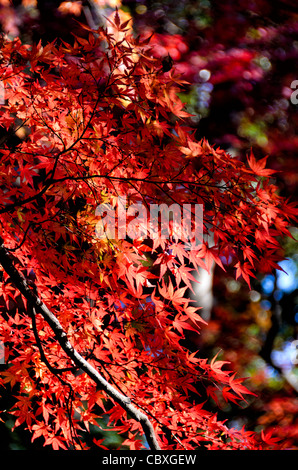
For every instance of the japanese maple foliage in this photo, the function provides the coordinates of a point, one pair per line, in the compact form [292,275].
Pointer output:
[83,124]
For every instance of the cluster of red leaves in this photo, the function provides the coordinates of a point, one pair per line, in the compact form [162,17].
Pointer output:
[224,67]
[280,418]
[101,119]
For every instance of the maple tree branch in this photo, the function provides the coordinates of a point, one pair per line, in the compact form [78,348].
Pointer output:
[36,303]
[52,369]
[56,372]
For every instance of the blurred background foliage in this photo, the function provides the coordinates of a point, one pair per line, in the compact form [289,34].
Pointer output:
[240,59]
